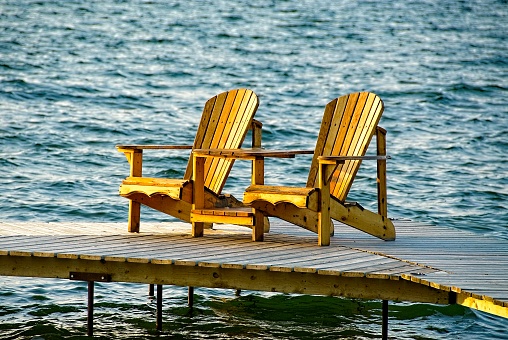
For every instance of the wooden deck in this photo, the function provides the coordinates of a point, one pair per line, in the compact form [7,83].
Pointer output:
[425,264]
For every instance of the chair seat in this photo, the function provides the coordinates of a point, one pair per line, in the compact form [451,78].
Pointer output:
[174,188]
[300,197]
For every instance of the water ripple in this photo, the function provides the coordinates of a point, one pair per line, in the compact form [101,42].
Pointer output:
[78,77]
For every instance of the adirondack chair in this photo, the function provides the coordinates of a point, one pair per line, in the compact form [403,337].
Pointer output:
[347,128]
[224,124]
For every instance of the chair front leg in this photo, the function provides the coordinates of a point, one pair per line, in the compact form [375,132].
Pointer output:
[198,191]
[260,221]
[134,217]
[382,203]
[324,220]
[135,159]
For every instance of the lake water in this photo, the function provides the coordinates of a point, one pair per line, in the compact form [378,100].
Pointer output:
[78,77]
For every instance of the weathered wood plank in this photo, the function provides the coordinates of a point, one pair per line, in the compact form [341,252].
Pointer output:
[442,263]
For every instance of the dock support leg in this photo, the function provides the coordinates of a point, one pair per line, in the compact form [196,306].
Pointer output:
[385,320]
[158,323]
[151,291]
[190,297]
[89,331]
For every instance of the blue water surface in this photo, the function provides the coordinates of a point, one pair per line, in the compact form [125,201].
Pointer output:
[78,77]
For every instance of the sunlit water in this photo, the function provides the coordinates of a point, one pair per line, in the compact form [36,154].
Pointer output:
[78,77]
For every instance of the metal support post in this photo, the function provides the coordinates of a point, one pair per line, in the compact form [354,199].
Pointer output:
[190,298]
[158,324]
[385,320]
[90,308]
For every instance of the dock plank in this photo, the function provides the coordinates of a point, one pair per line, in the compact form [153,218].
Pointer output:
[432,257]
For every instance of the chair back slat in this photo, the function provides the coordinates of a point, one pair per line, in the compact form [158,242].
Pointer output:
[229,116]
[209,121]
[348,133]
[237,128]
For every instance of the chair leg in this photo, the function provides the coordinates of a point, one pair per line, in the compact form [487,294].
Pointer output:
[325,224]
[198,192]
[324,228]
[197,229]
[259,226]
[134,216]
[381,173]
[324,219]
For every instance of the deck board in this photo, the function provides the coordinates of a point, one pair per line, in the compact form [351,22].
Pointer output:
[437,258]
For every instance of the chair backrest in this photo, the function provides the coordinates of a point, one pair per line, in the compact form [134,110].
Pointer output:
[348,124]
[224,124]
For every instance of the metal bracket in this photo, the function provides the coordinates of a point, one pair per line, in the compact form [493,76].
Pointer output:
[98,277]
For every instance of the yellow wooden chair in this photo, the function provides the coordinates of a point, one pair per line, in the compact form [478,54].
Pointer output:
[347,128]
[224,124]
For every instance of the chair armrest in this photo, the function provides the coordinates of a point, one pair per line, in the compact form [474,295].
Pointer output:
[342,159]
[326,162]
[256,155]
[249,153]
[123,148]
[134,155]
